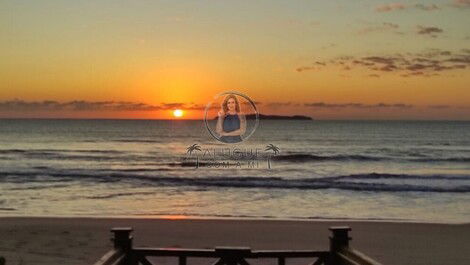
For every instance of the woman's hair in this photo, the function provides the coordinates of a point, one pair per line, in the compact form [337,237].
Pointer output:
[237,105]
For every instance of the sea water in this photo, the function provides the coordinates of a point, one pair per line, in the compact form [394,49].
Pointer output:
[365,170]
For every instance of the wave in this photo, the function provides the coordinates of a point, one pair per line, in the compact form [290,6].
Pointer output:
[401,176]
[113,195]
[448,159]
[40,187]
[7,209]
[136,141]
[345,182]
[97,155]
[310,157]
[320,158]
[82,155]
[39,151]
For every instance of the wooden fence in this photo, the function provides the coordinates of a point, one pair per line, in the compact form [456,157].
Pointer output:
[340,253]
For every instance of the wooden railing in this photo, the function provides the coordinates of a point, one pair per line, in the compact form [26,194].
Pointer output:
[340,252]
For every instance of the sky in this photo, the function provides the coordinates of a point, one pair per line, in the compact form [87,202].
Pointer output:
[326,59]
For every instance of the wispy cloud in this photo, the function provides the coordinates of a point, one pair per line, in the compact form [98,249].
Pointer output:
[461,3]
[401,6]
[390,7]
[431,31]
[357,105]
[430,7]
[246,103]
[328,46]
[439,106]
[428,63]
[382,27]
[281,104]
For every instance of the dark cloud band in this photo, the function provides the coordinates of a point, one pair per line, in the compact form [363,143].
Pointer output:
[83,105]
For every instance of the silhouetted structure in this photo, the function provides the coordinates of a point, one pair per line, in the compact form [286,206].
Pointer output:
[340,253]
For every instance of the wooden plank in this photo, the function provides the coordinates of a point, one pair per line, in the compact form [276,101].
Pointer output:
[119,260]
[345,260]
[144,260]
[289,253]
[243,262]
[171,252]
[220,261]
[319,261]
[110,257]
[359,257]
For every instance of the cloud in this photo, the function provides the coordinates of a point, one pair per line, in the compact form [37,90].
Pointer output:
[83,105]
[461,3]
[432,31]
[113,106]
[390,7]
[328,46]
[357,105]
[428,63]
[172,105]
[438,106]
[423,7]
[281,104]
[305,68]
[353,105]
[383,27]
[249,103]
[430,7]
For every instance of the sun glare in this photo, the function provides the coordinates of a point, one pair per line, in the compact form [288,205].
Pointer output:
[178,113]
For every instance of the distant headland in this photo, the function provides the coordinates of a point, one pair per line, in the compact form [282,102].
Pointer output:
[276,117]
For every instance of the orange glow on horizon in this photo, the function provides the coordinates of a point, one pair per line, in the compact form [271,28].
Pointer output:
[174,217]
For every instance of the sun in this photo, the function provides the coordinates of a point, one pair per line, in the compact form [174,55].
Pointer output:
[178,113]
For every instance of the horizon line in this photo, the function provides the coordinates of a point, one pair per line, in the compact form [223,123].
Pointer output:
[312,120]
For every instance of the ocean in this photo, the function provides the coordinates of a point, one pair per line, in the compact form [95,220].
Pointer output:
[353,170]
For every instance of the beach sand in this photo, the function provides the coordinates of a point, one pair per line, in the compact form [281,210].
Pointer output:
[25,240]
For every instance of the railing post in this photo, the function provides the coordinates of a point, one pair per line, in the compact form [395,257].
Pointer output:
[338,240]
[232,255]
[122,238]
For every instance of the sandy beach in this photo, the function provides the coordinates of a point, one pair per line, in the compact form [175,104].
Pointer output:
[85,240]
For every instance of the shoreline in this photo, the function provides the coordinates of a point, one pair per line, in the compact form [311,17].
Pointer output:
[83,240]
[236,218]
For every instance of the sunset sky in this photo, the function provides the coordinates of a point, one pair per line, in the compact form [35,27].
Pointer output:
[326,59]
